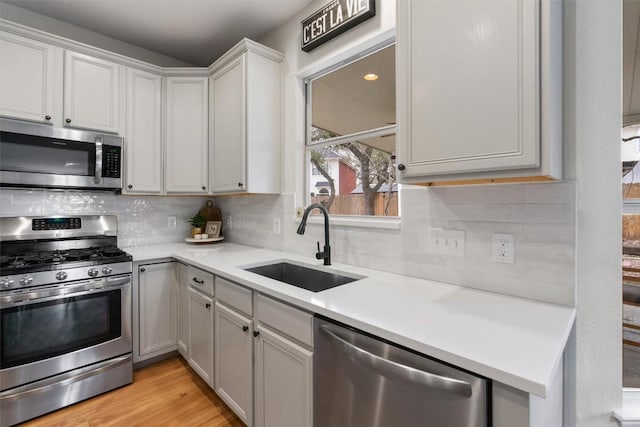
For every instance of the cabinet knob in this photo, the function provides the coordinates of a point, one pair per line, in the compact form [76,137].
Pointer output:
[129,186]
[245,328]
[401,167]
[204,188]
[47,117]
[207,305]
[68,120]
[142,270]
[239,184]
[256,333]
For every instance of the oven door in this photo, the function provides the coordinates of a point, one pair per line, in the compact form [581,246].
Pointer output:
[50,330]
[37,155]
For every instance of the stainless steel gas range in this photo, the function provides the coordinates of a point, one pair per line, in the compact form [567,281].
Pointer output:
[65,313]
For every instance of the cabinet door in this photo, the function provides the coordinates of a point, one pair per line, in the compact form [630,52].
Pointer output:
[158,289]
[228,118]
[201,334]
[183,311]
[143,148]
[283,381]
[186,134]
[91,93]
[233,361]
[29,71]
[468,86]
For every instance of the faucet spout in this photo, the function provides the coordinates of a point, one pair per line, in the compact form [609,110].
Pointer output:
[326,253]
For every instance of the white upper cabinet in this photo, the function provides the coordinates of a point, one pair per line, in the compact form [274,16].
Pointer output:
[143,136]
[478,90]
[186,135]
[91,93]
[30,73]
[245,120]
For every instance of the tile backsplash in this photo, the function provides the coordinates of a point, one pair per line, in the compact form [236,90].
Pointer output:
[540,216]
[142,220]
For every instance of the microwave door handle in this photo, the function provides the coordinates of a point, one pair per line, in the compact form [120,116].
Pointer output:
[98,145]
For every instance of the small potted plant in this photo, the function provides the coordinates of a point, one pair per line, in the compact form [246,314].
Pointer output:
[198,221]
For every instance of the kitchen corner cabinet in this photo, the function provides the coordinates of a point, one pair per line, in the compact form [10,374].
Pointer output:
[143,148]
[30,75]
[186,135]
[485,105]
[201,334]
[157,309]
[183,311]
[233,361]
[245,120]
[92,93]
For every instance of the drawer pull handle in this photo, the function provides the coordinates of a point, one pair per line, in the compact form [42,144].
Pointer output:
[195,279]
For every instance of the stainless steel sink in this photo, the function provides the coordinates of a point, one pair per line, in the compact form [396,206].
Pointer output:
[303,277]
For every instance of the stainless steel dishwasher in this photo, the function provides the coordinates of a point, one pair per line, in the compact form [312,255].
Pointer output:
[363,381]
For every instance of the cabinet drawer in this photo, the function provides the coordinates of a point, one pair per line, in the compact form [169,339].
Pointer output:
[201,280]
[234,295]
[631,314]
[296,323]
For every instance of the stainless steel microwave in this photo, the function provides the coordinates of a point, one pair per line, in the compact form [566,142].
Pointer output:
[38,155]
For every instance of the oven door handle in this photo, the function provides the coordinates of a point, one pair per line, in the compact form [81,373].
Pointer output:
[68,291]
[69,378]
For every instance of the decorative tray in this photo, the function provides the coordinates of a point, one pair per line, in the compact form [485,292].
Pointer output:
[209,240]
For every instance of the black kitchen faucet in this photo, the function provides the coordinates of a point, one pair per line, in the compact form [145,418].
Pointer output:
[326,253]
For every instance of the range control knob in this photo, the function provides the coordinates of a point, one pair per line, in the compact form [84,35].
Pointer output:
[61,275]
[6,283]
[93,272]
[106,270]
[26,280]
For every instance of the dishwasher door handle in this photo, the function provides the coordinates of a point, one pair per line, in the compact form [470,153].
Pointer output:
[397,370]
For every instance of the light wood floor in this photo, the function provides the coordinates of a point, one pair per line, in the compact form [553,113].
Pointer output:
[167,393]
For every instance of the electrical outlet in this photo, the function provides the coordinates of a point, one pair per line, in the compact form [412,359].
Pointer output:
[172,222]
[276,226]
[229,223]
[446,242]
[299,212]
[503,248]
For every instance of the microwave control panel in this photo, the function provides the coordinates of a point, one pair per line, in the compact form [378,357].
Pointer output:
[111,163]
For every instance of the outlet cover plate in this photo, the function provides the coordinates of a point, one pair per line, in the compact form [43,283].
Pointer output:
[503,248]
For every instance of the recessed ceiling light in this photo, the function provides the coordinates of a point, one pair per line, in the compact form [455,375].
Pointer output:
[370,77]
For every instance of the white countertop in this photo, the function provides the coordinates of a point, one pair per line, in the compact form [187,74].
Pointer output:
[515,341]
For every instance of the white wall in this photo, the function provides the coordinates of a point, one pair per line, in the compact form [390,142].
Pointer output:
[593,119]
[73,32]
[141,220]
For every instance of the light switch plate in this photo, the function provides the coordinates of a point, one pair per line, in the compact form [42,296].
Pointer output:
[446,242]
[172,222]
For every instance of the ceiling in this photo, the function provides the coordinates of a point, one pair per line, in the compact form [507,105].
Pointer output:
[194,31]
[343,102]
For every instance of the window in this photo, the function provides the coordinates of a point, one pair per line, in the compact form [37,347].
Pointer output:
[631,255]
[351,115]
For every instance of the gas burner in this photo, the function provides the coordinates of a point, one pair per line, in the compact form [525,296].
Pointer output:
[6,260]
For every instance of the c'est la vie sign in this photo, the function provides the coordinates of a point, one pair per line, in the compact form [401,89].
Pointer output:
[333,19]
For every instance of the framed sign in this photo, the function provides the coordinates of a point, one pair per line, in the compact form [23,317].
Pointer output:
[333,19]
[213,229]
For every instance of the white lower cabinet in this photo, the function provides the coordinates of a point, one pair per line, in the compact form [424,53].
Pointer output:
[283,381]
[233,361]
[157,309]
[183,311]
[201,334]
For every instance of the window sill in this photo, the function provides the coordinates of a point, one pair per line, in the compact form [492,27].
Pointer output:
[629,414]
[387,223]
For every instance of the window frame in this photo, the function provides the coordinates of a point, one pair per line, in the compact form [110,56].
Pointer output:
[372,221]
